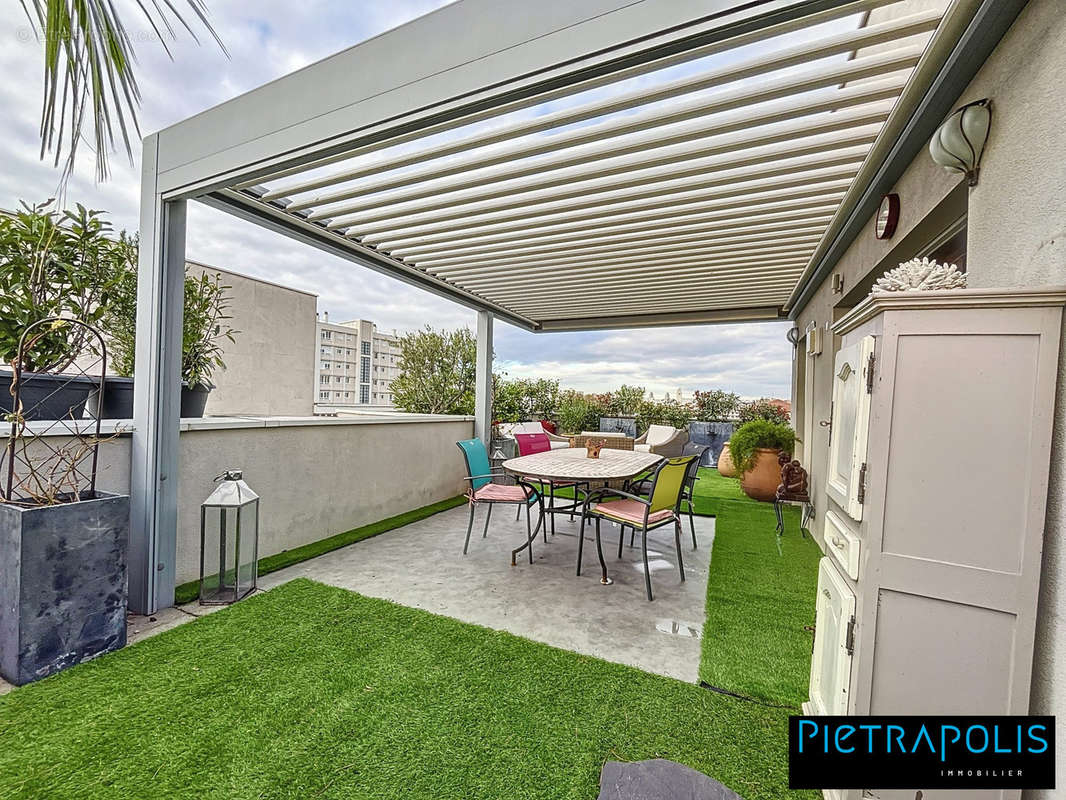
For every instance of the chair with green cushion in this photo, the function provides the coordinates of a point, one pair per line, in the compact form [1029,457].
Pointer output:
[484,491]
[661,507]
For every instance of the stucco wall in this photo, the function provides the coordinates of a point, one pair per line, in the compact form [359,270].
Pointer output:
[316,477]
[270,368]
[1016,237]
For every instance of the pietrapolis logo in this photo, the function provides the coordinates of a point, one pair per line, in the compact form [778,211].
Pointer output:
[920,752]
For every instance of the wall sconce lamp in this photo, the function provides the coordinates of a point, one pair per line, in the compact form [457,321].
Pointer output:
[959,141]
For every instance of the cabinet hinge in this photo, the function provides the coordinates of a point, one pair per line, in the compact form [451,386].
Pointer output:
[849,639]
[870,374]
[860,495]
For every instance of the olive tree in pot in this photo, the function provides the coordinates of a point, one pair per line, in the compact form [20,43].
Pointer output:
[205,327]
[754,449]
[53,264]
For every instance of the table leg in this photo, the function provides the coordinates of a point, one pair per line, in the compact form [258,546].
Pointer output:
[532,535]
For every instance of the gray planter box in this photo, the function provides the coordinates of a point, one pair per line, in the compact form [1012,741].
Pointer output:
[626,425]
[712,434]
[63,588]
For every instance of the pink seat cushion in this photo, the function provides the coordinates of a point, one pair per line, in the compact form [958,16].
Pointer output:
[500,493]
[529,443]
[631,511]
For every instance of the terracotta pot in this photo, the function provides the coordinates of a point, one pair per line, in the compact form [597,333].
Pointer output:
[725,463]
[762,480]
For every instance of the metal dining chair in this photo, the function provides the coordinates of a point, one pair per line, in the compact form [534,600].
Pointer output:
[530,443]
[483,491]
[661,507]
[641,486]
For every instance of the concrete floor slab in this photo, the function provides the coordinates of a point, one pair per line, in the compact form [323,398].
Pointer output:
[422,565]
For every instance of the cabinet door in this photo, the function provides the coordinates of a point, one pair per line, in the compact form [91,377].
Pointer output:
[831,660]
[851,423]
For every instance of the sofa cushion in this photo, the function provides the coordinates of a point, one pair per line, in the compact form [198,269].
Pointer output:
[659,434]
[642,448]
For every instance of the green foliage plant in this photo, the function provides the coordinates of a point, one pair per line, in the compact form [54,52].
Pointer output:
[759,434]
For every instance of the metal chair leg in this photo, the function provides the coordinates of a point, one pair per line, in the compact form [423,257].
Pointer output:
[632,536]
[599,552]
[551,505]
[677,545]
[581,541]
[518,513]
[469,527]
[532,535]
[692,524]
[488,516]
[621,538]
[647,571]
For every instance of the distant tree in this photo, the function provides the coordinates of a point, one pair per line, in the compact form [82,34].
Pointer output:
[626,400]
[716,405]
[436,372]
[524,398]
[764,409]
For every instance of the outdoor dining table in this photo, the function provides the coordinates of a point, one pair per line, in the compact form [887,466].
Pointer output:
[572,465]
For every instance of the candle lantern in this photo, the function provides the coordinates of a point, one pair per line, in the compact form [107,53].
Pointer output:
[229,540]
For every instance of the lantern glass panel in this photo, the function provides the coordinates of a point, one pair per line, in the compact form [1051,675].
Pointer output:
[247,555]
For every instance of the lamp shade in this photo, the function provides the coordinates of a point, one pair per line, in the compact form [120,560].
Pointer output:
[958,143]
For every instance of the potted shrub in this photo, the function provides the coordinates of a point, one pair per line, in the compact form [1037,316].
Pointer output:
[63,544]
[53,264]
[205,322]
[754,449]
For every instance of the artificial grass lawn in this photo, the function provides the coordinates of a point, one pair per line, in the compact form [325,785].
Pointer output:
[187,592]
[758,601]
[308,691]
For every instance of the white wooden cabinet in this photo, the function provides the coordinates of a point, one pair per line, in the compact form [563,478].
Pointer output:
[940,446]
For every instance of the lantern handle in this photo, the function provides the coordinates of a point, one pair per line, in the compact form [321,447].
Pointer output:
[229,475]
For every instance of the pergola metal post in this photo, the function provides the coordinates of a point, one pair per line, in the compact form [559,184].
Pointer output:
[157,394]
[483,378]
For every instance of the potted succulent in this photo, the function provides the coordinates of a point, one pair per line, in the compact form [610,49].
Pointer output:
[53,264]
[754,449]
[205,326]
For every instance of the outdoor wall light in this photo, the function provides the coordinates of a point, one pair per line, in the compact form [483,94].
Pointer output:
[959,141]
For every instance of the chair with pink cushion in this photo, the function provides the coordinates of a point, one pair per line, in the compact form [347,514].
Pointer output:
[484,491]
[530,443]
[661,507]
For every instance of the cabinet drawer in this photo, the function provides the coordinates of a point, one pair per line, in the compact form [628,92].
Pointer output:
[842,544]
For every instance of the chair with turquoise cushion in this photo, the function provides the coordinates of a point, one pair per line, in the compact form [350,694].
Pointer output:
[483,490]
[661,507]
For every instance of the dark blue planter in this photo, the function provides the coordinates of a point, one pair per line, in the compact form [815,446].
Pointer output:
[712,434]
[62,584]
[626,425]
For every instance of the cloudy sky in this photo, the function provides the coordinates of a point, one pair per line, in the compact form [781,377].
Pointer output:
[266,40]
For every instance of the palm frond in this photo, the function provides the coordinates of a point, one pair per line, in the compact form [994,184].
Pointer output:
[89,72]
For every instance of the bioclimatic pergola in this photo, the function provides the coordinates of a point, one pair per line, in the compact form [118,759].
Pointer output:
[561,165]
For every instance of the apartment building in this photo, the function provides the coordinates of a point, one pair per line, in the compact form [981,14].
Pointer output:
[356,364]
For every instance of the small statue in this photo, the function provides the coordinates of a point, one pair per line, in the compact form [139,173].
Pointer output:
[593,447]
[793,480]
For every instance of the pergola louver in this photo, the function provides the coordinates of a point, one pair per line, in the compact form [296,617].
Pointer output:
[563,165]
[675,176]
